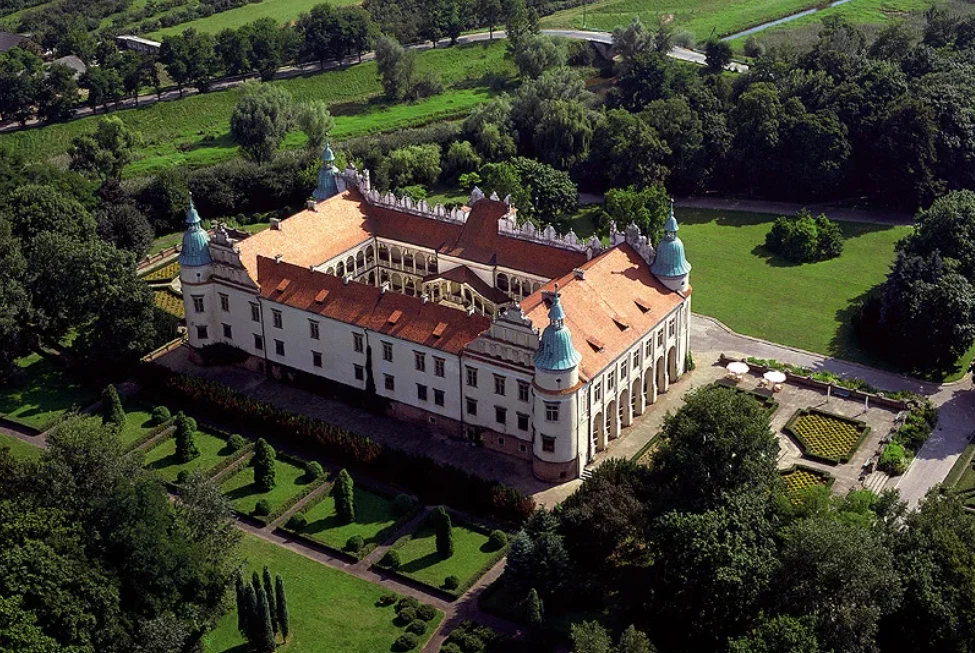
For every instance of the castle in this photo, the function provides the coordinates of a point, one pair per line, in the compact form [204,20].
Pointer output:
[536,345]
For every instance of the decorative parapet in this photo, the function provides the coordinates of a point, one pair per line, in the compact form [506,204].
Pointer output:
[355,179]
[639,242]
[508,226]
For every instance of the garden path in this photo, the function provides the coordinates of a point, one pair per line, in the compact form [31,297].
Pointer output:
[833,212]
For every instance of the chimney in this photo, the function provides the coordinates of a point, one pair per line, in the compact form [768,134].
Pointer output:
[311,205]
[346,279]
[276,224]
[580,273]
[424,298]
[383,287]
[278,258]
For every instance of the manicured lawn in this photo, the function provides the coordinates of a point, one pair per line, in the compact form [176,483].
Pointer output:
[419,559]
[19,448]
[196,129]
[737,281]
[213,450]
[329,610]
[240,488]
[43,394]
[283,11]
[373,513]
[138,422]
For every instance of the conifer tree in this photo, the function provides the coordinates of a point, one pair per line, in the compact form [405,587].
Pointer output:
[112,412]
[269,591]
[534,607]
[264,475]
[284,623]
[247,609]
[263,639]
[242,606]
[185,446]
[345,497]
[445,533]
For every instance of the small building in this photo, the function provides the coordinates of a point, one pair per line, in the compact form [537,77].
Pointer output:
[138,44]
[10,41]
[72,62]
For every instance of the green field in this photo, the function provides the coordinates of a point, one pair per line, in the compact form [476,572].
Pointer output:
[19,448]
[283,11]
[419,559]
[213,450]
[42,394]
[754,292]
[196,129]
[329,610]
[138,422]
[374,515]
[240,489]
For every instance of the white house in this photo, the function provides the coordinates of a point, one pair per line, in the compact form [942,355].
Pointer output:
[536,345]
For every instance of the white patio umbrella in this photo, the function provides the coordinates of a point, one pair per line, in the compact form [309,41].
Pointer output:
[737,367]
[774,376]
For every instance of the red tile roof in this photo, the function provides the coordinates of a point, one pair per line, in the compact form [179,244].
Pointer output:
[463,274]
[440,327]
[614,306]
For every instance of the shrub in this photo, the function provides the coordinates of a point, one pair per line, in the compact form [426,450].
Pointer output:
[355,543]
[414,164]
[297,522]
[406,616]
[387,599]
[183,475]
[461,158]
[426,612]
[407,602]
[391,559]
[894,460]
[402,504]
[344,497]
[236,442]
[160,414]
[191,423]
[417,627]
[263,508]
[497,540]
[753,47]
[684,39]
[221,353]
[314,469]
[406,642]
[451,582]
[805,239]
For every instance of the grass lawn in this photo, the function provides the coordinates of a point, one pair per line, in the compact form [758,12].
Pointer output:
[138,422]
[374,514]
[283,11]
[213,450]
[240,488]
[196,129]
[45,392]
[329,610]
[419,559]
[19,448]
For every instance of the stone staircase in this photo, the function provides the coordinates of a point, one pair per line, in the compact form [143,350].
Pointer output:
[876,482]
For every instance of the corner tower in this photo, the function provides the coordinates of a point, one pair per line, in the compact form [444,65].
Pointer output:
[670,265]
[327,186]
[556,403]
[195,265]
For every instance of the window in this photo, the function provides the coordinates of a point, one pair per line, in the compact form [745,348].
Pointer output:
[313,329]
[389,382]
[201,332]
[228,332]
[499,385]
[198,304]
[551,411]
[279,347]
[225,302]
[648,350]
[636,360]
[548,444]
[360,372]
[438,364]
[258,342]
[421,392]
[611,381]
[277,318]
[522,422]
[420,359]
[501,441]
[438,397]
[388,351]
[660,338]
[597,392]
[671,326]
[623,369]
[471,406]
[255,312]
[357,342]
[500,414]
[316,358]
[472,376]
[522,448]
[523,391]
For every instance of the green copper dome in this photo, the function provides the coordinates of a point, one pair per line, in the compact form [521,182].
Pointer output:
[556,352]
[670,261]
[327,187]
[196,241]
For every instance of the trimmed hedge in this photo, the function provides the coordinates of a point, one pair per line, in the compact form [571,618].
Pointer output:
[305,491]
[431,481]
[149,435]
[863,429]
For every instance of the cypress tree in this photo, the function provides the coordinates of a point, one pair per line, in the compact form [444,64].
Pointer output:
[263,640]
[256,582]
[241,606]
[284,624]
[264,475]
[269,591]
[345,497]
[534,607]
[445,533]
[185,446]
[249,611]
[112,412]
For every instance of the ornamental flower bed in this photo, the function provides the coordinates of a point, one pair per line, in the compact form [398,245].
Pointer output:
[825,436]
[798,479]
[170,303]
[167,272]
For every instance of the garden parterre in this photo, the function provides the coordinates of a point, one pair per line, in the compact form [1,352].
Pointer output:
[290,479]
[375,517]
[801,478]
[826,436]
[213,451]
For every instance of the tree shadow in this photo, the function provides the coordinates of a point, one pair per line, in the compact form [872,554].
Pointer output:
[429,560]
[248,490]
[772,259]
[168,461]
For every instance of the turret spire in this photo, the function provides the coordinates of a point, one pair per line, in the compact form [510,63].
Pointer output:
[555,350]
[196,241]
[327,186]
[669,263]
